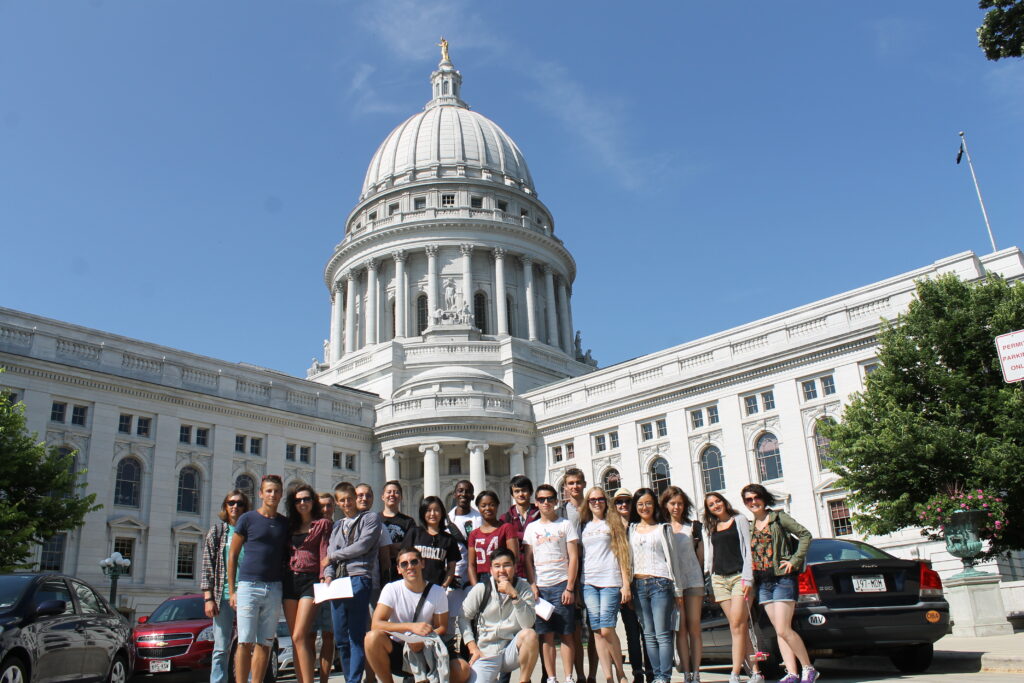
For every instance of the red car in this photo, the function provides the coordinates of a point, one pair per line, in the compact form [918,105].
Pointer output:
[177,637]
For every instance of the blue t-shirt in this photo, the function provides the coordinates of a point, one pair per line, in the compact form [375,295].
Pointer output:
[265,546]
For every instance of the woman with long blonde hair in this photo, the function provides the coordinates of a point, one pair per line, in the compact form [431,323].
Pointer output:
[689,646]
[607,572]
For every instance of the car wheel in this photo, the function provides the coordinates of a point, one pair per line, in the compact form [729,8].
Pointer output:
[13,670]
[118,671]
[914,659]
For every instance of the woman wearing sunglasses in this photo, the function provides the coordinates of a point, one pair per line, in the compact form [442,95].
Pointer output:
[639,662]
[778,547]
[689,645]
[310,534]
[606,576]
[214,581]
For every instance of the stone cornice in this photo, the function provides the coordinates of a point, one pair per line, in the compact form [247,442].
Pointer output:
[453,427]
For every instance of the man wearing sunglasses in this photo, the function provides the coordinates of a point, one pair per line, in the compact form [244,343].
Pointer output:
[409,606]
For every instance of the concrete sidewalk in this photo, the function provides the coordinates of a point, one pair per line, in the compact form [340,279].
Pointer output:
[1001,654]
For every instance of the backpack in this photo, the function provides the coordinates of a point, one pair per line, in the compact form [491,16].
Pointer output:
[483,604]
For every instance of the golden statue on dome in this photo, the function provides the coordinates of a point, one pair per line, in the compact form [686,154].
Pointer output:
[444,49]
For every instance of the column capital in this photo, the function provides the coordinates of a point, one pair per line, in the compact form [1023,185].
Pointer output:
[499,253]
[466,249]
[527,261]
[350,275]
[388,453]
[399,255]
[474,445]
[546,267]
[371,264]
[431,249]
[435,447]
[517,448]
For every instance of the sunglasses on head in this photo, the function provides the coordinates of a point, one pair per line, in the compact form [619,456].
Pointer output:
[405,564]
[546,499]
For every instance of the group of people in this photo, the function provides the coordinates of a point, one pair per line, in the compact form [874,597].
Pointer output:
[471,595]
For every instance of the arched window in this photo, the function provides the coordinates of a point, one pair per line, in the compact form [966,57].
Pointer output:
[247,485]
[444,88]
[611,481]
[659,475]
[769,460]
[422,315]
[480,311]
[188,490]
[712,469]
[128,482]
[821,444]
[509,317]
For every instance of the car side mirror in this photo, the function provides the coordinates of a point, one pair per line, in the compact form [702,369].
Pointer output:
[49,608]
[143,620]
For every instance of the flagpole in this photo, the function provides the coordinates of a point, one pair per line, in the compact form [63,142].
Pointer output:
[970,165]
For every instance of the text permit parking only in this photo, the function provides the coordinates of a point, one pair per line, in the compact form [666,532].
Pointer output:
[1010,347]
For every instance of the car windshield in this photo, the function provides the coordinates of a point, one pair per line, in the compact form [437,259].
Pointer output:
[178,610]
[11,590]
[832,550]
[282,630]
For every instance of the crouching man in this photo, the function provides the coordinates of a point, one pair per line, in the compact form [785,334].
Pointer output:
[497,623]
[412,606]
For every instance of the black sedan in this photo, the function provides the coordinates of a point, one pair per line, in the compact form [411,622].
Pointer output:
[58,628]
[853,599]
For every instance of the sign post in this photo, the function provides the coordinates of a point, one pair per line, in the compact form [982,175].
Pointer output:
[1011,355]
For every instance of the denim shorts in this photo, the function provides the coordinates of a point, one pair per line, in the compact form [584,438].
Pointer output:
[259,606]
[776,589]
[602,605]
[563,619]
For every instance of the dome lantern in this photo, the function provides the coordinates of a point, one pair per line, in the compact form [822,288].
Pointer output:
[446,82]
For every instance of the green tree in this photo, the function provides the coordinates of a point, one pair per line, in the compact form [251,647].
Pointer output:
[39,492]
[936,413]
[1001,34]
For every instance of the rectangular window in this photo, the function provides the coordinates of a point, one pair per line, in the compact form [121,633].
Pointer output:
[647,431]
[600,443]
[524,212]
[289,452]
[336,460]
[142,426]
[810,390]
[58,411]
[239,443]
[454,465]
[12,397]
[392,209]
[126,546]
[304,454]
[662,428]
[869,368]
[476,202]
[447,200]
[712,415]
[828,385]
[255,446]
[556,454]
[750,404]
[613,440]
[840,514]
[186,560]
[124,424]
[768,400]
[79,415]
[570,449]
[51,559]
[502,205]
[350,461]
[202,436]
[372,216]
[419,203]
[185,434]
[696,419]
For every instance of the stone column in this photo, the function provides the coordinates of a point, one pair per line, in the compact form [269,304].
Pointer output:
[531,315]
[401,312]
[337,323]
[549,292]
[431,471]
[372,313]
[467,276]
[391,465]
[431,281]
[350,312]
[500,305]
[516,459]
[566,327]
[477,467]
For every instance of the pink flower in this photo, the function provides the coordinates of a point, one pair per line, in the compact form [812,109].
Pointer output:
[963,505]
[999,500]
[984,505]
[998,524]
[939,510]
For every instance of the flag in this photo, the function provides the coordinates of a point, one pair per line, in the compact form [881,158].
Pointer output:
[960,152]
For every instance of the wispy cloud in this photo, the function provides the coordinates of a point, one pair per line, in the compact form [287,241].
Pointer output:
[364,97]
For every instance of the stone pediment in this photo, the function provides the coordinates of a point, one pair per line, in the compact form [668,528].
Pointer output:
[127,523]
[188,528]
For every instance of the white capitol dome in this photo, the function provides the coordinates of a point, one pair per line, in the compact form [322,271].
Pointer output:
[447,140]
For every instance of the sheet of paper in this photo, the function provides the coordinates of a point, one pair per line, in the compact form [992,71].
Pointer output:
[411,637]
[544,609]
[338,588]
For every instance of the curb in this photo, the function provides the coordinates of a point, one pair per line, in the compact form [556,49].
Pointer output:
[989,662]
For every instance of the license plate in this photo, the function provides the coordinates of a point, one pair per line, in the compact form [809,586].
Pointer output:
[874,583]
[159,666]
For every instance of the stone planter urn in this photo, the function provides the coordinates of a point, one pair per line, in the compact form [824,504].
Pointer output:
[963,539]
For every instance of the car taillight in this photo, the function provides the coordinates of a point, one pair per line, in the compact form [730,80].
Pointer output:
[930,582]
[807,587]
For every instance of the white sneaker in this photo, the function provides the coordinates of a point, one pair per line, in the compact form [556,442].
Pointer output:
[756,677]
[734,678]
[552,679]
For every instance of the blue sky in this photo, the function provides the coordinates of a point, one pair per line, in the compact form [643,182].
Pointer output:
[179,171]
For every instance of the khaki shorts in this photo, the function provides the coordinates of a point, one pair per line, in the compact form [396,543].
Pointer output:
[727,587]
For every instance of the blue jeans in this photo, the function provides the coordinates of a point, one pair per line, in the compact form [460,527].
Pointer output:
[655,598]
[351,617]
[639,662]
[602,605]
[223,626]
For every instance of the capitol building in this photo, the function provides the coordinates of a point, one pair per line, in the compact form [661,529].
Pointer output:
[452,354]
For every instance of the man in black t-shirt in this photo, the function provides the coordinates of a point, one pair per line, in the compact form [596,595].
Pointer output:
[397,524]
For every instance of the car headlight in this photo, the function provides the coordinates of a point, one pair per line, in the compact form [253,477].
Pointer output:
[206,634]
